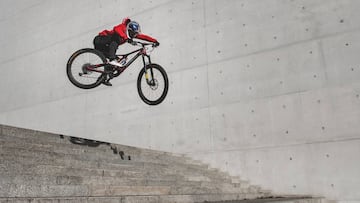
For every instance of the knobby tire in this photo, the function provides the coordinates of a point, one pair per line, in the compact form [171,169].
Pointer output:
[164,78]
[70,67]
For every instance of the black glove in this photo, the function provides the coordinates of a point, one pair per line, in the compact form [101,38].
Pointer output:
[156,44]
[130,41]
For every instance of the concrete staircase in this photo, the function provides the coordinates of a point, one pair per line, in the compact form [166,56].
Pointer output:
[45,168]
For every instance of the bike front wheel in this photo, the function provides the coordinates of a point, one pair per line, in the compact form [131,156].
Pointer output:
[78,72]
[152,84]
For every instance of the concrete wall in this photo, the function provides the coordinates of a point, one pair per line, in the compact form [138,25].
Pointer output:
[267,90]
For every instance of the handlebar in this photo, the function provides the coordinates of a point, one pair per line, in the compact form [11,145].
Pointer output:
[143,44]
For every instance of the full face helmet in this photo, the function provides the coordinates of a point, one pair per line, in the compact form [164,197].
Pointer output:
[133,29]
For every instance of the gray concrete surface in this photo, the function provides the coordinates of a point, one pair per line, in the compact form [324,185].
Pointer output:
[44,167]
[267,90]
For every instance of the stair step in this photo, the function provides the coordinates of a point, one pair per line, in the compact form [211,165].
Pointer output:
[38,174]
[67,161]
[49,154]
[31,135]
[44,169]
[95,189]
[55,147]
[90,180]
[146,198]
[50,151]
[12,190]
[35,156]
[277,200]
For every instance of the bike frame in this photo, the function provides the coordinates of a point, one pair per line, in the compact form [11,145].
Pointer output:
[140,52]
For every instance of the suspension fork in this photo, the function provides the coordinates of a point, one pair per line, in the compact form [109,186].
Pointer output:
[149,75]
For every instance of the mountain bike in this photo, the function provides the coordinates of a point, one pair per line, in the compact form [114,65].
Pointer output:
[88,68]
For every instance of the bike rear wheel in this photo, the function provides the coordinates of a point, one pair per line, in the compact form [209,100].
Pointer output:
[154,89]
[78,73]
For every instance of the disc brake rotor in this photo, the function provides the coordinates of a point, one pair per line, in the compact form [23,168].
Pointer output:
[154,84]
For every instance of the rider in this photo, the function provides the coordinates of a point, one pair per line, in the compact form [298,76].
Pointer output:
[109,40]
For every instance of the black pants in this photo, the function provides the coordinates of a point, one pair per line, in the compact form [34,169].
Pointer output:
[107,45]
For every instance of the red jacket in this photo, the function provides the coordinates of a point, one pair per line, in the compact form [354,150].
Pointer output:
[121,31]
